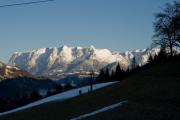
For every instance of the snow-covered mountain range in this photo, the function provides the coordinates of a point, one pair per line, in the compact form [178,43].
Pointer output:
[65,60]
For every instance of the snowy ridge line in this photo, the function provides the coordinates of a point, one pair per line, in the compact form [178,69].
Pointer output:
[100,110]
[53,62]
[59,97]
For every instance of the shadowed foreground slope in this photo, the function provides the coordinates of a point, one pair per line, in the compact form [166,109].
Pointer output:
[153,94]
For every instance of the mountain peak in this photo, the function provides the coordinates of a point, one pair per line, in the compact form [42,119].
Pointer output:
[64,47]
[92,47]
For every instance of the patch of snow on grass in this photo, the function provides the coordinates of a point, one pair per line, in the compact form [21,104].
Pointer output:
[100,110]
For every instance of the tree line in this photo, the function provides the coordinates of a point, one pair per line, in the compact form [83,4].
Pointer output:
[119,73]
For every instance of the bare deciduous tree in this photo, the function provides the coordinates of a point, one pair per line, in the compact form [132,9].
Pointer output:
[167,27]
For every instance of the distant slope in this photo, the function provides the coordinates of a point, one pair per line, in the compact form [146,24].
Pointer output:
[7,71]
[57,62]
[16,88]
[153,94]
[59,97]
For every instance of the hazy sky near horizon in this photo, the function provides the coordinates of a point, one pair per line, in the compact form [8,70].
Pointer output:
[118,25]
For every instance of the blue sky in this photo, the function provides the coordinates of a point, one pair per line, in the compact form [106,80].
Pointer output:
[118,25]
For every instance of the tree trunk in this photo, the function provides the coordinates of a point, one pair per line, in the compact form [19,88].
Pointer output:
[171,50]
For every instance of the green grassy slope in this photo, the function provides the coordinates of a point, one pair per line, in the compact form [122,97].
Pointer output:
[153,94]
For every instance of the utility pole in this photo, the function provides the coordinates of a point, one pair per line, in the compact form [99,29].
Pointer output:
[91,80]
[92,76]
